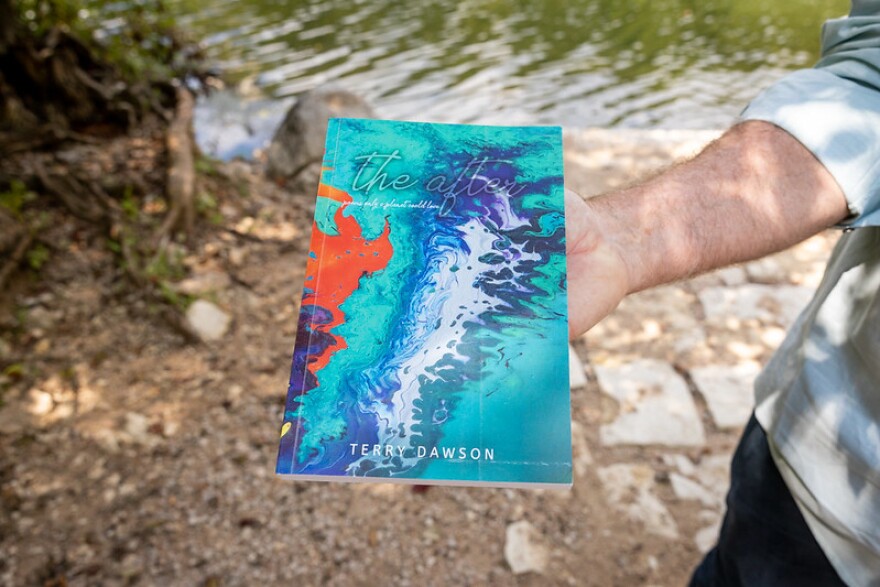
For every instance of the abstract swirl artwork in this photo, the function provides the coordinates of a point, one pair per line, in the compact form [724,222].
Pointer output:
[432,338]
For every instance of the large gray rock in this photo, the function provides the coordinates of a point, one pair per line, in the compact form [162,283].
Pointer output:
[298,144]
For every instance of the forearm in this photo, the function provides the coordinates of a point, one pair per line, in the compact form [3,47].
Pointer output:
[754,191]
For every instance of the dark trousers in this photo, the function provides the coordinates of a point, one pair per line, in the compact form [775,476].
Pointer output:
[764,540]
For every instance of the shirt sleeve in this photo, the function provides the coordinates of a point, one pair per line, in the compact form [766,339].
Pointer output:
[834,109]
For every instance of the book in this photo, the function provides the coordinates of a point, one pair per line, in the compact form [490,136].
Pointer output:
[433,330]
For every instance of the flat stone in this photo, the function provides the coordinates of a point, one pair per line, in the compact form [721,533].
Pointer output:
[524,550]
[209,321]
[630,489]
[713,473]
[681,463]
[732,275]
[770,304]
[688,489]
[576,376]
[766,270]
[655,406]
[690,340]
[705,538]
[728,391]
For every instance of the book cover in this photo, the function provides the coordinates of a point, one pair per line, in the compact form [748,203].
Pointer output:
[432,340]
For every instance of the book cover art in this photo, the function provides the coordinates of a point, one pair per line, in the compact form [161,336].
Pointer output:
[432,340]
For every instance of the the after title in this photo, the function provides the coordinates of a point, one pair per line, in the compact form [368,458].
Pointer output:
[373,173]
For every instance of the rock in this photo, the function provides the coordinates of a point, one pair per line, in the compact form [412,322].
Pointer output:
[233,394]
[655,406]
[766,270]
[769,304]
[137,428]
[732,275]
[209,321]
[690,340]
[728,391]
[524,550]
[630,489]
[576,376]
[706,537]
[131,566]
[41,402]
[713,473]
[688,489]
[681,463]
[238,256]
[299,141]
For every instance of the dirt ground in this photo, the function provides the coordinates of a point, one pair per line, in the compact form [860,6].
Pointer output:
[129,457]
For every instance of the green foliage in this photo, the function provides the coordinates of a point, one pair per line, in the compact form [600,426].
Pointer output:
[15,371]
[166,266]
[173,297]
[114,246]
[129,204]
[16,198]
[206,205]
[207,166]
[37,256]
[138,38]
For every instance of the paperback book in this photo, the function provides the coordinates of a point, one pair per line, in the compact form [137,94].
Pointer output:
[432,337]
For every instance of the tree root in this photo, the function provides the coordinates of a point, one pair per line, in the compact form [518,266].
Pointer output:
[180,189]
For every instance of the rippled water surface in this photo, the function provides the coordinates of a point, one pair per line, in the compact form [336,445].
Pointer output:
[624,63]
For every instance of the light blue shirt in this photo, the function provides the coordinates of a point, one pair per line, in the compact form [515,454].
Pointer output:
[819,397]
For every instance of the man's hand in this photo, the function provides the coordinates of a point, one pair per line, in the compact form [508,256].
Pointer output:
[753,192]
[597,276]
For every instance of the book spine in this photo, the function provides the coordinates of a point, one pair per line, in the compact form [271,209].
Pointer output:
[291,427]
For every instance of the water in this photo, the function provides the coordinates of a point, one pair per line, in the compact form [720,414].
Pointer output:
[607,63]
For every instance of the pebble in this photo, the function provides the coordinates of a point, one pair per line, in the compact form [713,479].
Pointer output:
[237,257]
[524,550]
[137,428]
[209,321]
